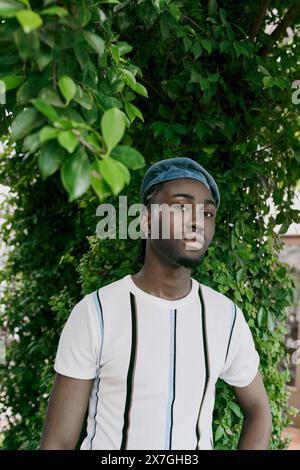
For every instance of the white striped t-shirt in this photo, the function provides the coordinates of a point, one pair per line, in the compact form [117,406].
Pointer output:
[155,363]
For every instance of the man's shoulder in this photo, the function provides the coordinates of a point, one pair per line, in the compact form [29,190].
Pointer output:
[214,295]
[221,309]
[113,287]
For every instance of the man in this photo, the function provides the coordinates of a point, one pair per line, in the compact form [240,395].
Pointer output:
[146,350]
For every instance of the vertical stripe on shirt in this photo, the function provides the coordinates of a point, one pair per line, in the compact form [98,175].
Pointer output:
[130,373]
[206,361]
[232,326]
[99,311]
[172,380]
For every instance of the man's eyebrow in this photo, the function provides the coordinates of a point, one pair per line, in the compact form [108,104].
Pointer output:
[189,196]
[209,201]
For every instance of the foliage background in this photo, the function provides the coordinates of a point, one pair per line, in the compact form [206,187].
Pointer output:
[219,91]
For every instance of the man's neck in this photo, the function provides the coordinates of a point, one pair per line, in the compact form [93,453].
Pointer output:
[166,282]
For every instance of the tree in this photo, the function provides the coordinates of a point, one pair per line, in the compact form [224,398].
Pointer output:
[77,77]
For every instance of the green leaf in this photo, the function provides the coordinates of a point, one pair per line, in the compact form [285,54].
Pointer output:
[159,127]
[263,70]
[9,59]
[140,89]
[25,121]
[46,109]
[166,24]
[113,174]
[67,140]
[158,4]
[115,53]
[123,47]
[179,128]
[249,294]
[174,9]
[81,54]
[237,296]
[243,253]
[224,46]
[99,185]
[28,44]
[268,82]
[204,84]
[29,20]
[260,316]
[187,43]
[11,81]
[67,87]
[223,14]
[44,57]
[164,111]
[133,112]
[241,49]
[201,129]
[196,49]
[50,97]
[212,7]
[125,171]
[284,227]
[195,76]
[240,275]
[207,45]
[235,408]
[219,432]
[96,42]
[271,324]
[75,174]
[63,123]
[113,125]
[170,135]
[9,8]
[47,133]
[128,156]
[278,293]
[281,83]
[51,158]
[31,143]
[60,11]
[214,77]
[83,98]
[210,150]
[129,78]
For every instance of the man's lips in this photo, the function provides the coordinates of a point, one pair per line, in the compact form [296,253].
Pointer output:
[193,242]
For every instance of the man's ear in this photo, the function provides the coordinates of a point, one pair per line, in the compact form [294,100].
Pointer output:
[145,223]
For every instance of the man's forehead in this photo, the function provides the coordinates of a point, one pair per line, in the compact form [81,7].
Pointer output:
[186,187]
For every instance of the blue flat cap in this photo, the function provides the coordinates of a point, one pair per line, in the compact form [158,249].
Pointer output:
[173,169]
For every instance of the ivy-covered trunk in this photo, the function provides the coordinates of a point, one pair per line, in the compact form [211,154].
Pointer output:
[92,91]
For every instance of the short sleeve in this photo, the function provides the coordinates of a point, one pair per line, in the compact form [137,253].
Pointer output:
[79,344]
[242,361]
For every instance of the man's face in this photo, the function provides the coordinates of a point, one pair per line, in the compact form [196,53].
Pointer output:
[187,196]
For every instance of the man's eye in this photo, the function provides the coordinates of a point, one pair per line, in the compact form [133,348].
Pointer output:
[186,208]
[182,207]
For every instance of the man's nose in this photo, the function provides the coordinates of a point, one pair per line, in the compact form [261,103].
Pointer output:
[195,220]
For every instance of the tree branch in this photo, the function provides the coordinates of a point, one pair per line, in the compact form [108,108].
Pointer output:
[287,20]
[259,19]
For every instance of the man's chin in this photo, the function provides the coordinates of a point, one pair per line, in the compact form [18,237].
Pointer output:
[190,262]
